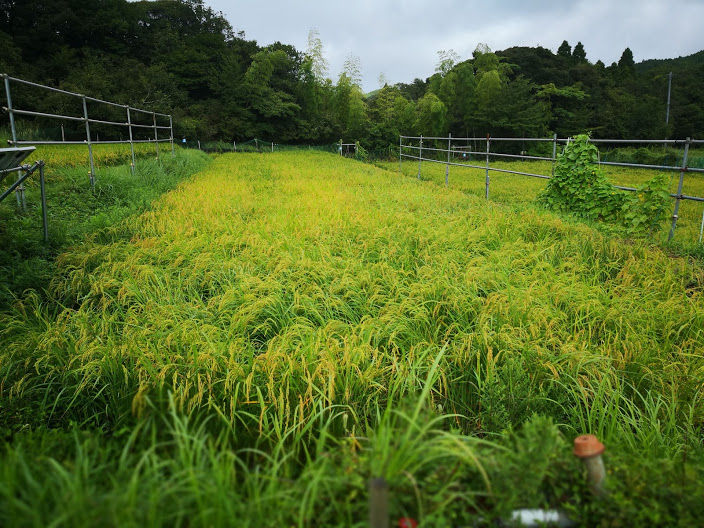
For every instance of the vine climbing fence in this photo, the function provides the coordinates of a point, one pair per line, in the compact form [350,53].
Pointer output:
[476,153]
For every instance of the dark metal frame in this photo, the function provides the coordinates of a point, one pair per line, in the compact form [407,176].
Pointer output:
[25,171]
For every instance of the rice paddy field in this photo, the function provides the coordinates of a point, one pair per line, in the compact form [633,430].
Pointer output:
[280,328]
[104,155]
[518,189]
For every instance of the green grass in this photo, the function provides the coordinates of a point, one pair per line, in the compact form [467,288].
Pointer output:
[518,189]
[282,327]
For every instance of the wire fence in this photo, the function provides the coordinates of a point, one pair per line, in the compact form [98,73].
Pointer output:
[467,152]
[139,125]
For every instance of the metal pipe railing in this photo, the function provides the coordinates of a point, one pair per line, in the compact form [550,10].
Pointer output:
[546,140]
[497,154]
[564,140]
[150,126]
[487,154]
[102,101]
[502,155]
[154,126]
[41,114]
[644,141]
[83,142]
[37,85]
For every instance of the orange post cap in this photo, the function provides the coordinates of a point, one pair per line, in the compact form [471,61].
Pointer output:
[587,446]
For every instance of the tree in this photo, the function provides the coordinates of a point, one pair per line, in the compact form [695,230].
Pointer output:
[484,59]
[465,97]
[351,109]
[626,61]
[414,90]
[404,115]
[565,50]
[488,87]
[382,80]
[314,52]
[509,108]
[564,108]
[391,114]
[353,69]
[446,61]
[431,116]
[579,55]
[267,99]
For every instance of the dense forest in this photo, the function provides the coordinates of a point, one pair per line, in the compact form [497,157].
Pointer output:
[180,56]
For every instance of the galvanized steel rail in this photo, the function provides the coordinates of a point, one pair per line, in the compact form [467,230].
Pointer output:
[89,141]
[415,152]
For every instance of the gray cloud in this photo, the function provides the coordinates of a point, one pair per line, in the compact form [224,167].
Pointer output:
[401,38]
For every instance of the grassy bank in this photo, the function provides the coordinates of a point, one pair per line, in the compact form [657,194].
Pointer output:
[282,327]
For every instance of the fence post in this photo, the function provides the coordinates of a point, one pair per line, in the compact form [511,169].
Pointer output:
[42,189]
[679,191]
[486,182]
[340,146]
[378,503]
[447,167]
[18,191]
[701,229]
[256,144]
[554,153]
[129,127]
[90,146]
[400,144]
[9,109]
[234,146]
[420,155]
[156,135]
[63,134]
[272,146]
[171,135]
[199,144]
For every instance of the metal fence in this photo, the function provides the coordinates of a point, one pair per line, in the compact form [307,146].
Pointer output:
[468,147]
[130,123]
[347,149]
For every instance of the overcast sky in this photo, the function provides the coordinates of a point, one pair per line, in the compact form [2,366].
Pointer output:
[400,39]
